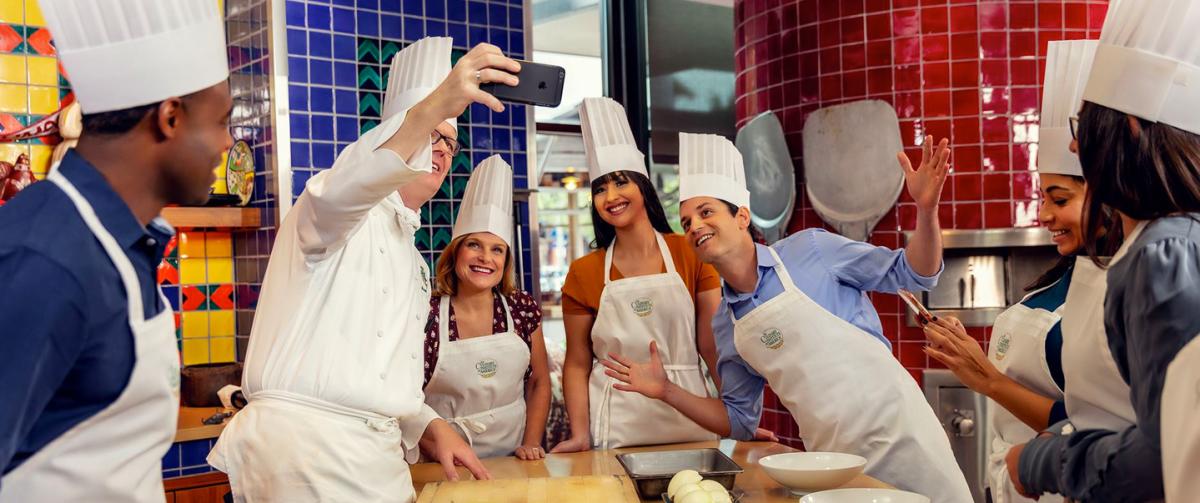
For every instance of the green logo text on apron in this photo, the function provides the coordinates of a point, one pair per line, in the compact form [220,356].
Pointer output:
[486,368]
[1002,345]
[642,306]
[772,339]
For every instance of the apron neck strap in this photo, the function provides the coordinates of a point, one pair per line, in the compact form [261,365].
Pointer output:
[129,279]
[781,271]
[444,317]
[668,263]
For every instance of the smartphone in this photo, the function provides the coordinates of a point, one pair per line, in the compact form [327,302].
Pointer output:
[914,304]
[540,84]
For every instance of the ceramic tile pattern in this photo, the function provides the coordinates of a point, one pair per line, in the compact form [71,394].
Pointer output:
[338,58]
[31,83]
[970,70]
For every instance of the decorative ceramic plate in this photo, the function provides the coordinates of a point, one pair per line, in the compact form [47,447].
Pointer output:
[239,171]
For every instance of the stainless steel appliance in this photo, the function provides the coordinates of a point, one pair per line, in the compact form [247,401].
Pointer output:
[963,414]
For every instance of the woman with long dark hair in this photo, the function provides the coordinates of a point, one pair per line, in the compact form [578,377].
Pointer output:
[642,284]
[1041,342]
[1138,138]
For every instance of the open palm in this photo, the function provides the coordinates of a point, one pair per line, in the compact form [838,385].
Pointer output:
[925,182]
[649,379]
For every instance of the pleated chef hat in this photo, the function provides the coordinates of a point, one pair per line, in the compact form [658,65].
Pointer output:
[416,71]
[487,202]
[122,54]
[1147,62]
[607,139]
[709,165]
[1067,66]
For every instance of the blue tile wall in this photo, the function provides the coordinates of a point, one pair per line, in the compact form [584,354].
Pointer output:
[188,458]
[338,55]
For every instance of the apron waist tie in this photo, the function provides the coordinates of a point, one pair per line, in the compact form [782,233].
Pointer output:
[471,425]
[603,426]
[377,422]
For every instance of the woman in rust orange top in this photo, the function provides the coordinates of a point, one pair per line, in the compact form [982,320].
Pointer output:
[642,292]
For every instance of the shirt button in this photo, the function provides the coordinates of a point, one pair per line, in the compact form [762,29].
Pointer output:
[380,249]
[379,334]
[417,317]
[414,356]
[385,290]
[151,241]
[382,376]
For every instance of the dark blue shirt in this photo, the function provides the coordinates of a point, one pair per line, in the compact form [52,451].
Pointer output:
[64,330]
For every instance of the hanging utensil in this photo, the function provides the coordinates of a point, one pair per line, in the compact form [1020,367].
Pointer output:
[770,174]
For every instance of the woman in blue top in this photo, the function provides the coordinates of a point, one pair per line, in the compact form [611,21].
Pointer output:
[1023,373]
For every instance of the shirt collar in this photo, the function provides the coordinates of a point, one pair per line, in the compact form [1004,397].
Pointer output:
[114,214]
[765,262]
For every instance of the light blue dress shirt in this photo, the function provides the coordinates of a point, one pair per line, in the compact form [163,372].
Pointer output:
[836,273]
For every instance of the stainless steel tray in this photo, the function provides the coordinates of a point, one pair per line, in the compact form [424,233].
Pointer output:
[651,472]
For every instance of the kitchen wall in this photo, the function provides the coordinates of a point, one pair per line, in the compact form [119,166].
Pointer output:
[970,70]
[338,55]
[31,83]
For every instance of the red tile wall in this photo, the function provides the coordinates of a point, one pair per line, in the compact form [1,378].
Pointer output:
[970,70]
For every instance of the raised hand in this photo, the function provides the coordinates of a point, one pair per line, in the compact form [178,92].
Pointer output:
[925,182]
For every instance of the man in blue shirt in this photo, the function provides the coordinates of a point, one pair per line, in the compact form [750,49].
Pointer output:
[90,378]
[822,278]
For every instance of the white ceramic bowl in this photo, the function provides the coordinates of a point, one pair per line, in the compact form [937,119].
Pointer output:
[864,496]
[805,472]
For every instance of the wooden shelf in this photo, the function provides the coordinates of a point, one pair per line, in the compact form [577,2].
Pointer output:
[225,218]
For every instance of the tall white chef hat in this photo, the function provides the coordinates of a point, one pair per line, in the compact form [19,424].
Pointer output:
[607,139]
[416,71]
[1067,66]
[122,54]
[709,165]
[487,202]
[1147,62]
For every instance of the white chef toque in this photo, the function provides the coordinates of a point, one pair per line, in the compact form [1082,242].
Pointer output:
[1067,66]
[710,165]
[121,54]
[607,139]
[1147,62]
[415,72]
[488,201]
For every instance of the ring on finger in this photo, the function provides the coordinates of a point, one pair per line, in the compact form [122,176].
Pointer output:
[479,76]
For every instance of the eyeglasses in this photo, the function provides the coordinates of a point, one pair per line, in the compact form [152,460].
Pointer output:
[1073,121]
[452,146]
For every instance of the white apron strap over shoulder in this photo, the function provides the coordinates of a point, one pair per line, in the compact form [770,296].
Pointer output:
[115,455]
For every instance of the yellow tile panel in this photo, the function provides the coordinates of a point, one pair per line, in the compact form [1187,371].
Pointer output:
[43,71]
[13,68]
[39,159]
[220,270]
[33,14]
[191,271]
[222,350]
[221,324]
[195,351]
[43,100]
[195,324]
[13,11]
[218,244]
[14,98]
[191,245]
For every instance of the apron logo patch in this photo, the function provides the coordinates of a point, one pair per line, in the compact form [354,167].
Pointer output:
[486,368]
[772,338]
[642,307]
[1002,345]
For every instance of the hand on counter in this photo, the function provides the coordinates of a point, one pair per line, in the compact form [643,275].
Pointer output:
[448,448]
[573,444]
[530,452]
[649,379]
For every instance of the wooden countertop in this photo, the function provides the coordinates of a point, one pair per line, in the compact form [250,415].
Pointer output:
[757,485]
[191,424]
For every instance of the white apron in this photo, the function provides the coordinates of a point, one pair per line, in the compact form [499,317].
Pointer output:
[359,456]
[1180,427]
[1018,350]
[634,311]
[478,385]
[848,393]
[115,455]
[1096,397]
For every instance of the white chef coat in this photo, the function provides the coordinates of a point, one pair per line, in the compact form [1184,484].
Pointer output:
[341,317]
